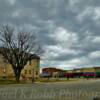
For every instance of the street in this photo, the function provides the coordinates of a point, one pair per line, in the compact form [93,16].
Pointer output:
[84,90]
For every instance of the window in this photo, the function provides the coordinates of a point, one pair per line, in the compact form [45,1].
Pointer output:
[29,71]
[25,71]
[36,72]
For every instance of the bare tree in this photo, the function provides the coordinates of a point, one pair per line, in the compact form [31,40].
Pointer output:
[17,48]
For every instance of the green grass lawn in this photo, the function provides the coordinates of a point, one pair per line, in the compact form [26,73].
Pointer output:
[9,81]
[2,81]
[43,80]
[57,80]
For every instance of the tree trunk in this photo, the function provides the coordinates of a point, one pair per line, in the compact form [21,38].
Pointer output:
[17,77]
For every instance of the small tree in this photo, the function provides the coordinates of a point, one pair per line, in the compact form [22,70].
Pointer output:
[17,48]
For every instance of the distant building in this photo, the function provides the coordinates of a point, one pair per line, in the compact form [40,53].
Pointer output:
[75,73]
[92,70]
[52,71]
[97,69]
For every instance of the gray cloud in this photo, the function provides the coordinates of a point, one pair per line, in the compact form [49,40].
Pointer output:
[68,30]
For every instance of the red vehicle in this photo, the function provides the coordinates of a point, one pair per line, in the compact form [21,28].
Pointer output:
[69,75]
[89,75]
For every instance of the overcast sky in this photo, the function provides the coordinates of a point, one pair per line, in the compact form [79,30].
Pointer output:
[68,30]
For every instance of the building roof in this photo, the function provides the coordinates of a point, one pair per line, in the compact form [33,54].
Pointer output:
[52,68]
[34,56]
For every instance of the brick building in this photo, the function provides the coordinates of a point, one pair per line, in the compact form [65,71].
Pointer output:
[31,70]
[52,71]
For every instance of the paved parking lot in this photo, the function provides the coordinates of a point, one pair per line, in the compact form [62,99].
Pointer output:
[84,90]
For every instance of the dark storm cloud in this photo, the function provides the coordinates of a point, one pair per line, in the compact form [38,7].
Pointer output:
[67,29]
